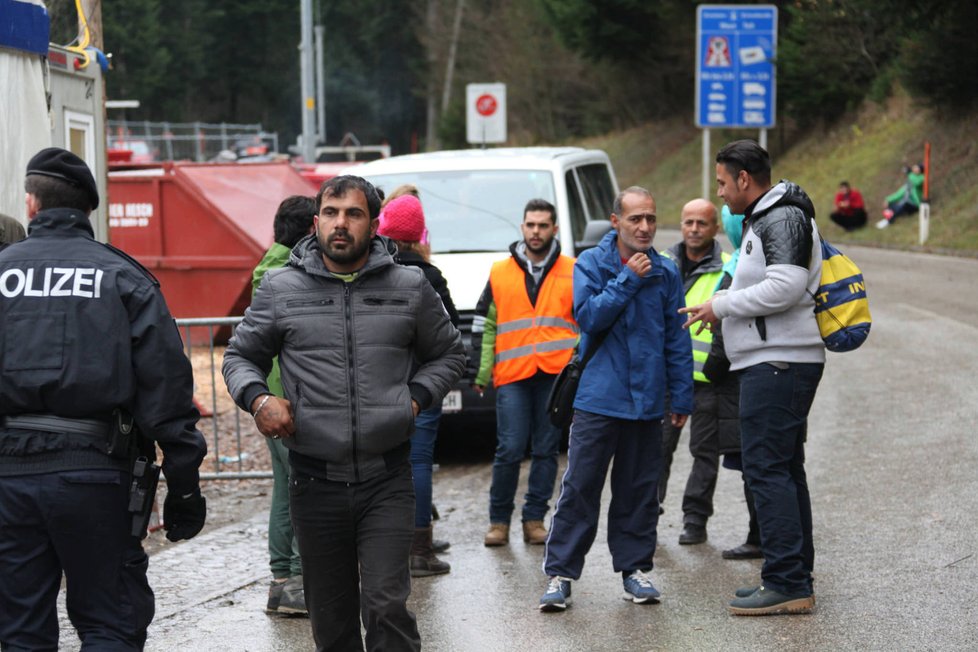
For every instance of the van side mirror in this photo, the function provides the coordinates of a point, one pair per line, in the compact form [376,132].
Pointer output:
[594,230]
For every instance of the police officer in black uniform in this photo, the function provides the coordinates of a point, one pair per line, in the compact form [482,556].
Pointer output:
[86,342]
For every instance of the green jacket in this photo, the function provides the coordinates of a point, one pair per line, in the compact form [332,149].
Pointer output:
[277,256]
[912,189]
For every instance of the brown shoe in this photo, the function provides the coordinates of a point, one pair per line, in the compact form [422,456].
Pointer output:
[534,533]
[498,534]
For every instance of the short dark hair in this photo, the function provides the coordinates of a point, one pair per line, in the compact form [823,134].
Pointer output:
[748,156]
[845,183]
[631,190]
[339,186]
[541,205]
[51,192]
[293,219]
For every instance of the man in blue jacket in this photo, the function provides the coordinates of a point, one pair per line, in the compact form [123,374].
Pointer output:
[622,286]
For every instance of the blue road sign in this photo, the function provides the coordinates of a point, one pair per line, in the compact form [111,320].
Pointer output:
[735,74]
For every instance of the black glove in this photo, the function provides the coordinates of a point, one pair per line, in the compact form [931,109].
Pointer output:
[183,517]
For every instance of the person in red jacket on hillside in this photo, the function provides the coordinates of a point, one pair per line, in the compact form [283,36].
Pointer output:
[850,211]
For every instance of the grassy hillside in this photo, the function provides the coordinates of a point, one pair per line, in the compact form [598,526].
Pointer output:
[867,148]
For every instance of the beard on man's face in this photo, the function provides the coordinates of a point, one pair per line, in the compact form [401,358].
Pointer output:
[541,248]
[352,250]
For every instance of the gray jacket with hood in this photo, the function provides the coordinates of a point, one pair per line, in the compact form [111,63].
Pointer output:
[768,313]
[346,351]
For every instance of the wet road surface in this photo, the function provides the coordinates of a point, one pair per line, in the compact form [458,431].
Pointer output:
[893,470]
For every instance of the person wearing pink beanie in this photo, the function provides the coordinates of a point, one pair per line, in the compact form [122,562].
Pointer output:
[402,220]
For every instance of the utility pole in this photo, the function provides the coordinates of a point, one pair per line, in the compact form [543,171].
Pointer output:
[450,63]
[431,124]
[93,12]
[320,85]
[307,69]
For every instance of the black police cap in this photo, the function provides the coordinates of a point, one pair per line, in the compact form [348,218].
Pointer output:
[62,164]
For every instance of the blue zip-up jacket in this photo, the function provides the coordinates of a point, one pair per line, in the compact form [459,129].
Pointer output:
[647,350]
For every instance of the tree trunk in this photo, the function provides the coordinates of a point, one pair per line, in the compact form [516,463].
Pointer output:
[446,94]
[431,127]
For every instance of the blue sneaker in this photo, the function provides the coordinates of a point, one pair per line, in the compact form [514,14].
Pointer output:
[558,595]
[639,588]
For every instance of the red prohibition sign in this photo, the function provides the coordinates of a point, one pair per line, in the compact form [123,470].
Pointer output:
[486,105]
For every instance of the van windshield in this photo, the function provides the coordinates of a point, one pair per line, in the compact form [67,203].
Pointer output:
[473,210]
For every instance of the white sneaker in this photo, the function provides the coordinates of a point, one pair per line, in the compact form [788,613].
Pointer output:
[883,223]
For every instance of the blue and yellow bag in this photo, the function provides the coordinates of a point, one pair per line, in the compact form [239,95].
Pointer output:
[841,305]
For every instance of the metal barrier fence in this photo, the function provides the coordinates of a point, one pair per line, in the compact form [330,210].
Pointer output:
[196,141]
[236,450]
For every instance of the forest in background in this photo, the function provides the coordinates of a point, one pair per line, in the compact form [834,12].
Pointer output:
[396,69]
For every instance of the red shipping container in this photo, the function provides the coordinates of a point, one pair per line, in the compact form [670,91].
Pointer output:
[200,228]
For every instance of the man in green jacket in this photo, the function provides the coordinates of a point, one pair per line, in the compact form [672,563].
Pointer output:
[293,221]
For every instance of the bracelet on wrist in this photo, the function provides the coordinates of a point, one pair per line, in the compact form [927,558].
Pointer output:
[261,404]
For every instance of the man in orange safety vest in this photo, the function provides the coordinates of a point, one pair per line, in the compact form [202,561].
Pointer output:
[524,333]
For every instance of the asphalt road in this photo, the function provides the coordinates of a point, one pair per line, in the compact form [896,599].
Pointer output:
[892,468]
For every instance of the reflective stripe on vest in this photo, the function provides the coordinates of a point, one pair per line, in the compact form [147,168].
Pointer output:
[532,338]
[700,292]
[543,347]
[534,322]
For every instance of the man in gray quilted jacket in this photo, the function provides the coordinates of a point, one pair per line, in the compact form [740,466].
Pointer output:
[346,323]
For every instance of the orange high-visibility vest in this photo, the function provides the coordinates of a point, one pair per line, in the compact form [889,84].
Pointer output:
[531,338]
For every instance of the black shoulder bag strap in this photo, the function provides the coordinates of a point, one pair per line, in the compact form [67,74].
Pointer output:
[598,341]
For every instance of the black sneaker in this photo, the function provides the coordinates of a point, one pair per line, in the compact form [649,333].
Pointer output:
[765,602]
[440,545]
[692,534]
[746,591]
[274,596]
[744,551]
[293,601]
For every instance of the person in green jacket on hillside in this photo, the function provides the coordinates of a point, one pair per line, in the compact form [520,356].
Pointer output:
[906,200]
[293,221]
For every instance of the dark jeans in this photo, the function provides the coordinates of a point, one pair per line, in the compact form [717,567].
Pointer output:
[355,539]
[774,406]
[704,446]
[521,417]
[852,221]
[422,461]
[75,522]
[902,207]
[633,514]
[734,461]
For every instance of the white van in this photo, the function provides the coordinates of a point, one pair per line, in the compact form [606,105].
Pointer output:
[473,202]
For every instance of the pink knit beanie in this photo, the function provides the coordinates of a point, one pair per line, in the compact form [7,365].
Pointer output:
[403,219]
